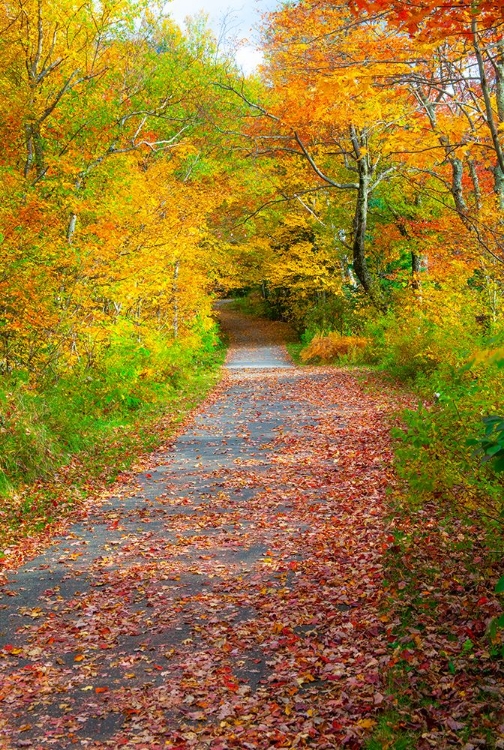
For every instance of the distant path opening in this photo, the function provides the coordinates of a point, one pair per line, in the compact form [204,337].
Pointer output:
[255,343]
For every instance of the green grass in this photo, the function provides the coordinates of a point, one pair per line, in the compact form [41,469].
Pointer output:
[294,350]
[67,441]
[388,734]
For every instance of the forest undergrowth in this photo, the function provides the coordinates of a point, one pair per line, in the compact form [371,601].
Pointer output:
[67,443]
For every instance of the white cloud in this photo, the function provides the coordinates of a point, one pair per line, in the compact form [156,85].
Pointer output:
[248,58]
[237,23]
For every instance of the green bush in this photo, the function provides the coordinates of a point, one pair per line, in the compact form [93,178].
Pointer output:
[254,304]
[441,450]
[43,423]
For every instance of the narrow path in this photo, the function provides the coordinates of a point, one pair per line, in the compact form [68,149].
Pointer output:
[230,600]
[255,344]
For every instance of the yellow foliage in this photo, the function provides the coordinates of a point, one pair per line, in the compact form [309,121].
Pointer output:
[325,348]
[490,356]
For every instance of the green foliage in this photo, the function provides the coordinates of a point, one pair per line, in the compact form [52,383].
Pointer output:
[412,345]
[433,450]
[327,313]
[43,424]
[28,447]
[253,303]
[492,444]
[390,735]
[295,349]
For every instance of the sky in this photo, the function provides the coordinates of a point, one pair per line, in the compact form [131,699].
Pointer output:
[239,20]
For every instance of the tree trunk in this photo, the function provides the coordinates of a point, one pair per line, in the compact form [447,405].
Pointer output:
[499,67]
[35,157]
[485,89]
[72,223]
[457,190]
[175,299]
[419,264]
[360,265]
[476,184]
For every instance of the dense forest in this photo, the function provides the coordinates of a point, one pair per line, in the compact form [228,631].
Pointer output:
[352,186]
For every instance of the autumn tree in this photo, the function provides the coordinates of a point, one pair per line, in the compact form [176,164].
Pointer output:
[104,112]
[328,111]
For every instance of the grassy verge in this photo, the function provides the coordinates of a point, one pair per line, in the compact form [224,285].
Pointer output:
[441,611]
[294,350]
[74,442]
[446,668]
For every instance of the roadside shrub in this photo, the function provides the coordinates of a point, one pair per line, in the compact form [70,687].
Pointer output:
[27,446]
[412,340]
[326,348]
[437,447]
[136,373]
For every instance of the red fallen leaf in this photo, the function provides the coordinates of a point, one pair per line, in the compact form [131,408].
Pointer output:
[230,685]
[149,476]
[113,525]
[103,689]
[10,649]
[336,725]
[482,600]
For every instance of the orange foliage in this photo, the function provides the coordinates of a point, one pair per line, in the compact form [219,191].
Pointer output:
[433,17]
[326,348]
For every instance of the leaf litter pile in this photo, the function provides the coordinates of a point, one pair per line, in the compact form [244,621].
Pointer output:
[233,598]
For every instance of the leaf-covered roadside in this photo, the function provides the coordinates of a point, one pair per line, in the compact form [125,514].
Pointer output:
[32,515]
[443,609]
[233,599]
[446,673]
